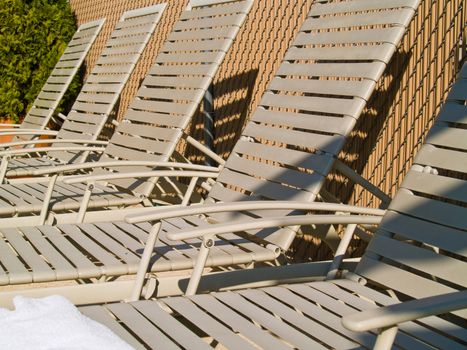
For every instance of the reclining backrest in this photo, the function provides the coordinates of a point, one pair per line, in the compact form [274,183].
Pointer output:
[311,105]
[420,248]
[57,83]
[107,79]
[175,85]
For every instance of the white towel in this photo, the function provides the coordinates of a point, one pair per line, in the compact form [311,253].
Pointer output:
[53,323]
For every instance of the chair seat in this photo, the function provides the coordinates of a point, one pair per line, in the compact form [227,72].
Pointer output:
[29,198]
[66,252]
[26,166]
[301,316]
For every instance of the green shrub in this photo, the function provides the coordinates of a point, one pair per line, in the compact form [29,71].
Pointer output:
[33,35]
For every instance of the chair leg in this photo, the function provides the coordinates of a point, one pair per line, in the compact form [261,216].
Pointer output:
[85,201]
[208,243]
[48,196]
[386,338]
[189,191]
[144,263]
[4,168]
[340,252]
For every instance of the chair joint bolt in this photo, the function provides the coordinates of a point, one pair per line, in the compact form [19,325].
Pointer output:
[208,242]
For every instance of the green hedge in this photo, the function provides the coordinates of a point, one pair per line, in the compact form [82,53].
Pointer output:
[33,35]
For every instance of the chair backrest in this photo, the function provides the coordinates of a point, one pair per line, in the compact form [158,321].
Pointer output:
[311,105]
[107,78]
[175,85]
[420,248]
[47,101]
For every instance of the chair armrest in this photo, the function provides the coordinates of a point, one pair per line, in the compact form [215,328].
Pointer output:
[14,152]
[53,141]
[249,205]
[392,315]
[17,132]
[280,221]
[10,126]
[121,163]
[139,175]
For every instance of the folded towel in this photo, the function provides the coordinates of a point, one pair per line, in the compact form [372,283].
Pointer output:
[53,323]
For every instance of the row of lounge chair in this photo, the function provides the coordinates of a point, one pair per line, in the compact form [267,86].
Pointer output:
[145,138]
[282,155]
[267,189]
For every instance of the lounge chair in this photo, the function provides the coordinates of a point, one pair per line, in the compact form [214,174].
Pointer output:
[94,103]
[413,269]
[46,103]
[151,128]
[258,169]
